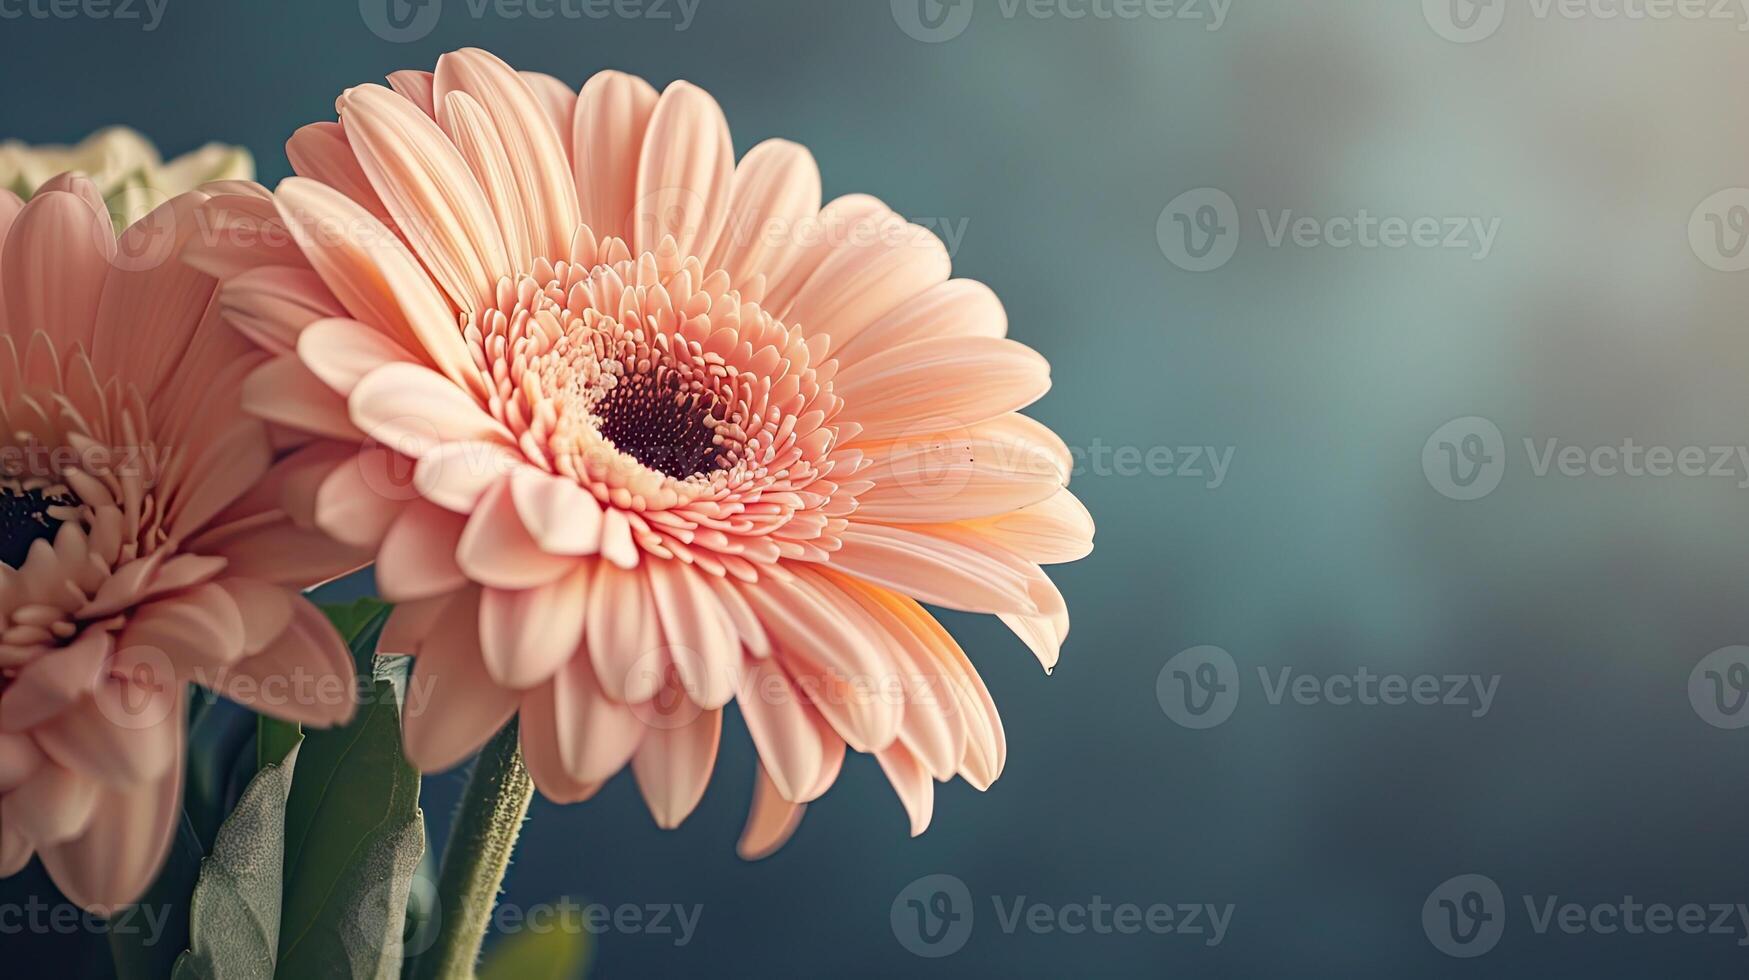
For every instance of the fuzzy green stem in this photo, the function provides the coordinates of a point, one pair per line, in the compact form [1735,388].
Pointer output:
[476,857]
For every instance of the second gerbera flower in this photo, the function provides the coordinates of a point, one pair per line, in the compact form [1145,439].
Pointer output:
[678,436]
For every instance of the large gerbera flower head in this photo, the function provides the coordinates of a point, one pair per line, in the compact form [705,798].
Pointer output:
[676,435]
[143,544]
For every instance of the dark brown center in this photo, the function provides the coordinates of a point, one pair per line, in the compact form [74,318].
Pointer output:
[671,429]
[25,520]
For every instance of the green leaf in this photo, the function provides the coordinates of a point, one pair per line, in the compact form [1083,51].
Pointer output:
[275,740]
[139,952]
[353,618]
[561,953]
[235,914]
[354,838]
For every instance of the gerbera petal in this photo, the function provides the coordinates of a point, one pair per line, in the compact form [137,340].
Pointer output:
[123,845]
[526,635]
[372,273]
[453,706]
[911,781]
[684,172]
[956,308]
[57,256]
[673,767]
[540,751]
[540,170]
[625,639]
[428,189]
[413,409]
[417,556]
[701,639]
[967,380]
[607,139]
[597,735]
[320,152]
[771,820]
[496,550]
[787,737]
[861,282]
[776,191]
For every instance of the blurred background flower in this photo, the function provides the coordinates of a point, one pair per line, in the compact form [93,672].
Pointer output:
[124,166]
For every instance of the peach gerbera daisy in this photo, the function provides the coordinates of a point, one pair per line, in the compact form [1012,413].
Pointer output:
[677,436]
[142,545]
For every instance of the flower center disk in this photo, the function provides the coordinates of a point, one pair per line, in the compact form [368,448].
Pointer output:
[29,514]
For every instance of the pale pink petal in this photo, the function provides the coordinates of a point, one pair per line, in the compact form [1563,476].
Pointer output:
[320,152]
[525,636]
[701,638]
[306,675]
[783,729]
[771,821]
[683,173]
[51,277]
[54,805]
[412,409]
[885,264]
[417,557]
[607,138]
[597,735]
[776,193]
[342,352]
[951,574]
[540,751]
[673,767]
[956,308]
[123,847]
[496,550]
[370,270]
[429,191]
[625,639]
[911,781]
[563,517]
[559,99]
[966,380]
[453,707]
[455,475]
[541,173]
[123,735]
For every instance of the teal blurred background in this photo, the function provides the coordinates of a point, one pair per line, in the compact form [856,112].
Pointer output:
[1583,147]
